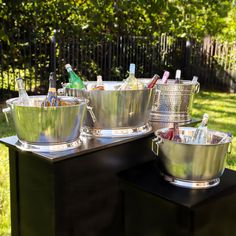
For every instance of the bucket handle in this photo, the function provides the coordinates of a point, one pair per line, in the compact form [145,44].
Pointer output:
[229,148]
[197,88]
[5,111]
[155,144]
[90,110]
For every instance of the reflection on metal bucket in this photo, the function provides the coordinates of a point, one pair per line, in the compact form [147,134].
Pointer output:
[175,104]
[48,128]
[191,165]
[117,113]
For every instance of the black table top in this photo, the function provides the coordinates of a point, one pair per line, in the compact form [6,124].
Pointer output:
[88,145]
[147,178]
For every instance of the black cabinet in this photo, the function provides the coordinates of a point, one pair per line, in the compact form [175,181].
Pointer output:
[154,207]
[72,192]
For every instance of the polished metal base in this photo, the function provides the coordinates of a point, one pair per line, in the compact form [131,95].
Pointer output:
[191,184]
[25,146]
[112,133]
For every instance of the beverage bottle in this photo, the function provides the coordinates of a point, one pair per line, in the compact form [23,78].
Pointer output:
[195,79]
[131,83]
[177,76]
[23,96]
[165,77]
[74,79]
[153,81]
[51,98]
[176,136]
[168,134]
[226,138]
[99,85]
[200,134]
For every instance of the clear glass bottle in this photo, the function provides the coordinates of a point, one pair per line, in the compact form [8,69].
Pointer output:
[99,85]
[74,80]
[200,134]
[153,81]
[176,136]
[51,98]
[195,79]
[131,83]
[23,96]
[165,77]
[177,76]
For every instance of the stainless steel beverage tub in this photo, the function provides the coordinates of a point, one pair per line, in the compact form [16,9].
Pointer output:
[175,103]
[116,113]
[191,165]
[46,129]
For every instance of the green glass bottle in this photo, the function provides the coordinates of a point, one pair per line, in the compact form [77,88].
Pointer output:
[74,79]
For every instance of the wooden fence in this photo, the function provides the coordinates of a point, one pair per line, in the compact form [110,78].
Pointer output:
[33,58]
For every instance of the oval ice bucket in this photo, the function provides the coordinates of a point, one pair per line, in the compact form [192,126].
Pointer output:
[116,112]
[191,165]
[36,125]
[175,104]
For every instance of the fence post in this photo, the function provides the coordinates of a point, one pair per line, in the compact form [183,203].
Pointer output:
[187,63]
[53,53]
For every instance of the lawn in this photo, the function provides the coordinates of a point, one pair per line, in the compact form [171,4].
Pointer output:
[221,108]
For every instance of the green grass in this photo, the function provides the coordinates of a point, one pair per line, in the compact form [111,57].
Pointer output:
[221,108]
[5,131]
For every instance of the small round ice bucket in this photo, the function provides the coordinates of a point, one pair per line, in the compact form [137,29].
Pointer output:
[175,104]
[47,128]
[191,165]
[116,113]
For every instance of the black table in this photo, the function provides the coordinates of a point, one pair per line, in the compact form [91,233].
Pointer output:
[153,206]
[72,192]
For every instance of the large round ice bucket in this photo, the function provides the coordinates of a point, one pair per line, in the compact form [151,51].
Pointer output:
[175,104]
[191,165]
[47,128]
[116,112]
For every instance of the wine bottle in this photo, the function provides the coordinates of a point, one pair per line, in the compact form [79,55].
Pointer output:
[74,79]
[99,85]
[165,77]
[177,76]
[176,136]
[153,81]
[195,79]
[23,96]
[167,134]
[131,83]
[200,134]
[51,98]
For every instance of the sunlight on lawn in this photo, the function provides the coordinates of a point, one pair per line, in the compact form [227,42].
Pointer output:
[4,192]
[221,108]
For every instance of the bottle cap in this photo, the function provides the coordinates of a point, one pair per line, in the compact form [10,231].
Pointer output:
[195,78]
[67,66]
[132,68]
[19,79]
[99,78]
[178,74]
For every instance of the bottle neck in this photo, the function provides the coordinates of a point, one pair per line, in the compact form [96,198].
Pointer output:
[20,85]
[52,85]
[69,69]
